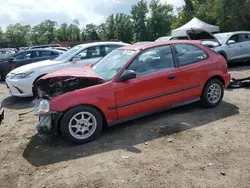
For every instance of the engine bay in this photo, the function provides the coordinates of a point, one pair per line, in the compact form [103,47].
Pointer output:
[53,87]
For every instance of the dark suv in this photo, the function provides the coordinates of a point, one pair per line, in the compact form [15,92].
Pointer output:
[24,58]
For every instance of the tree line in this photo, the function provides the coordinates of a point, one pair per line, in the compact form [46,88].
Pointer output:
[146,22]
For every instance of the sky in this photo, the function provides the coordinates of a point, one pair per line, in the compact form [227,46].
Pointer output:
[32,12]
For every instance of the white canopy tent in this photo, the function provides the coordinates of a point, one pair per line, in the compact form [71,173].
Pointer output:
[195,23]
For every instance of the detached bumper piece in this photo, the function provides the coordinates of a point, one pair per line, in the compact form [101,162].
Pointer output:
[1,115]
[239,83]
[47,124]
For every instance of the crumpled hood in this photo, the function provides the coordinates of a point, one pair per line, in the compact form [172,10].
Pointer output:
[84,72]
[34,66]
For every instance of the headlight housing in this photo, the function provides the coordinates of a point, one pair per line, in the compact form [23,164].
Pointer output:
[22,75]
[41,107]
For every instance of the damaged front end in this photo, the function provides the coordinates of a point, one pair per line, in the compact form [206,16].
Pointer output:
[52,87]
[48,88]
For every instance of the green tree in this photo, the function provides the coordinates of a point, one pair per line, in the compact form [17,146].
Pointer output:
[138,13]
[44,33]
[101,30]
[73,31]
[63,32]
[17,35]
[160,20]
[123,29]
[91,32]
[110,27]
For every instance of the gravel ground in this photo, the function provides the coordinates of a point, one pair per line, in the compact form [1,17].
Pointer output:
[183,147]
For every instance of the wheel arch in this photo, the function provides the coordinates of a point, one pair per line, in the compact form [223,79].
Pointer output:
[38,78]
[105,123]
[33,90]
[218,77]
[223,53]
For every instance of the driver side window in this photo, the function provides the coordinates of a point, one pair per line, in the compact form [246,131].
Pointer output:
[91,52]
[235,38]
[25,55]
[153,60]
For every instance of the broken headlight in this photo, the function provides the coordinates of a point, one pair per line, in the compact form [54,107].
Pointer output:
[41,107]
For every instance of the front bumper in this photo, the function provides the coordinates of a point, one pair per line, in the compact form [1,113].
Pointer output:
[1,115]
[20,87]
[48,124]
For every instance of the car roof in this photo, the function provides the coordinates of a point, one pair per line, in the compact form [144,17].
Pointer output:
[42,49]
[99,43]
[231,33]
[141,46]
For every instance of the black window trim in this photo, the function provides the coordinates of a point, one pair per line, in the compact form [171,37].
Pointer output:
[141,76]
[177,59]
[232,36]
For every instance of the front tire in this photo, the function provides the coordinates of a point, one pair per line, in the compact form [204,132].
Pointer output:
[212,94]
[2,77]
[81,124]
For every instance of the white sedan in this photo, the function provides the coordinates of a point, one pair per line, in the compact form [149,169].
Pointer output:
[21,80]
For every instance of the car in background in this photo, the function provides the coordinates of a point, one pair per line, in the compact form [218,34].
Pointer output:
[26,57]
[5,53]
[233,46]
[59,48]
[21,80]
[129,83]
[42,46]
[166,38]
[1,113]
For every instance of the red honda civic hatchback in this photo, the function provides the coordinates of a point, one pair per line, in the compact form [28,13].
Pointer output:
[129,83]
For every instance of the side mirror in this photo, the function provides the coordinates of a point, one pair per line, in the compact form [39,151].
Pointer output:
[231,42]
[75,59]
[11,59]
[127,75]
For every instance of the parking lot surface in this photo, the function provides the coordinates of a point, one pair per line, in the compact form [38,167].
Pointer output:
[184,147]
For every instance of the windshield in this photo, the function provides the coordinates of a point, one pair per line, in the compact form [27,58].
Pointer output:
[222,37]
[111,65]
[67,54]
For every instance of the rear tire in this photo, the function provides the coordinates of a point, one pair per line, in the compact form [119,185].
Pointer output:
[212,94]
[81,124]
[224,55]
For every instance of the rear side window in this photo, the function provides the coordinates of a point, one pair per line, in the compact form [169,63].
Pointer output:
[244,37]
[110,48]
[44,54]
[53,54]
[189,54]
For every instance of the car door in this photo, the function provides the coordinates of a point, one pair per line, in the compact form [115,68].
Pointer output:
[20,59]
[158,83]
[234,51]
[244,41]
[193,64]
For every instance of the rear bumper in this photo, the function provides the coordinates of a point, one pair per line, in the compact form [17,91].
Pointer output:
[227,78]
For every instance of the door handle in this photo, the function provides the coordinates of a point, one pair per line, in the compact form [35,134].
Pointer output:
[172,77]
